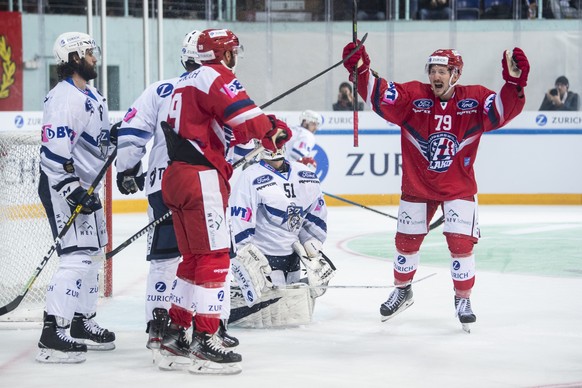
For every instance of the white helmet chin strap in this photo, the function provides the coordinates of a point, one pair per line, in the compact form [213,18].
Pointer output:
[451,85]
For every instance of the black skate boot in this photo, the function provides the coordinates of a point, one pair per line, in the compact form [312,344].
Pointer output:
[464,312]
[398,301]
[85,329]
[174,349]
[55,344]
[228,341]
[157,327]
[211,357]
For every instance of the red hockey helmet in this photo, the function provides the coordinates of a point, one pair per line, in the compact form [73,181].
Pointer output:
[448,57]
[213,43]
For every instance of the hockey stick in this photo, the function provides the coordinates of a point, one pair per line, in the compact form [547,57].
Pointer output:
[358,46]
[248,157]
[355,286]
[432,226]
[12,305]
[355,72]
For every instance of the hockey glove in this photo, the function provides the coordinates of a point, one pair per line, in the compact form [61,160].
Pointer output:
[319,271]
[309,162]
[113,133]
[354,60]
[515,67]
[79,196]
[131,181]
[277,136]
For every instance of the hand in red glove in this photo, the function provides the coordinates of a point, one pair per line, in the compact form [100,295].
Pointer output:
[309,162]
[277,136]
[352,61]
[515,67]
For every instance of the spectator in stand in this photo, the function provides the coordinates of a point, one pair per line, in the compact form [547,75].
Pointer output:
[434,10]
[560,98]
[345,98]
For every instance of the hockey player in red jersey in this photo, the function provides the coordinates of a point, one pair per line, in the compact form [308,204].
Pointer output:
[211,112]
[441,125]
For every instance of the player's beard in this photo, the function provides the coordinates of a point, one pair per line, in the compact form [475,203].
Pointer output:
[86,70]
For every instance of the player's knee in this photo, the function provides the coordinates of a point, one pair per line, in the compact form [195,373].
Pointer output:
[408,243]
[460,245]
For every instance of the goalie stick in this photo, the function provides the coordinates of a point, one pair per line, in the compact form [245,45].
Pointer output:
[16,302]
[432,226]
[357,286]
[241,162]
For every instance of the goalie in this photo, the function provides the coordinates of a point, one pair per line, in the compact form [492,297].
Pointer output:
[278,223]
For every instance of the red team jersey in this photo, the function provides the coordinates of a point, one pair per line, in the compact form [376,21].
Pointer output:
[212,110]
[439,140]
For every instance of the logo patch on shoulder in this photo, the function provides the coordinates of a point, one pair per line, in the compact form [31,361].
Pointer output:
[233,88]
[262,179]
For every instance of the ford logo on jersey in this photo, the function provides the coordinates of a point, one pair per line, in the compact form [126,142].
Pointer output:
[423,103]
[467,104]
[307,174]
[262,179]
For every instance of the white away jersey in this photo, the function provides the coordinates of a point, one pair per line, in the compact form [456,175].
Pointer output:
[301,144]
[75,135]
[142,123]
[272,209]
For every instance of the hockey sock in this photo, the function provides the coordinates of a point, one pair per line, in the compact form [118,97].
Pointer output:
[158,285]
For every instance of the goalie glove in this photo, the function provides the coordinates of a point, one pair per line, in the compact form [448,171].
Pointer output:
[319,271]
[250,269]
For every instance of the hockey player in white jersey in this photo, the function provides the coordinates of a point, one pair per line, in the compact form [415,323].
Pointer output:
[300,148]
[278,221]
[141,125]
[75,143]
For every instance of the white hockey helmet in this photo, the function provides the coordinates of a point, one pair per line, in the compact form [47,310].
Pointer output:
[74,42]
[190,47]
[310,116]
[270,155]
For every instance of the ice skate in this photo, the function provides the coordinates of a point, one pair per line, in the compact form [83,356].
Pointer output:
[174,349]
[228,341]
[156,328]
[398,301]
[209,356]
[56,347]
[464,312]
[87,331]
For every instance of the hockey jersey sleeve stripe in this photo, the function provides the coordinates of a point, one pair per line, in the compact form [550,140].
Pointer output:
[317,221]
[54,157]
[134,132]
[89,139]
[247,233]
[237,106]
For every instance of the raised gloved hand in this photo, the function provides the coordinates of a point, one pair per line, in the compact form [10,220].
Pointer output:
[515,67]
[354,60]
[277,136]
[309,162]
[131,181]
[79,196]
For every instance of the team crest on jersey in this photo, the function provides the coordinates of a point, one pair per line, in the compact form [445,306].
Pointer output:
[442,148]
[391,94]
[294,217]
[165,90]
[233,88]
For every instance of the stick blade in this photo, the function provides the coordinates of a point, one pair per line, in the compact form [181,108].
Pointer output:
[11,306]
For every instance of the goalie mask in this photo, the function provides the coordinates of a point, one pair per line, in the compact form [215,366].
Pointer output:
[214,43]
[270,155]
[74,42]
[190,48]
[310,117]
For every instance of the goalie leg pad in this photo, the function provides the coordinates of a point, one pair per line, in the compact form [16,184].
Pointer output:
[250,268]
[279,307]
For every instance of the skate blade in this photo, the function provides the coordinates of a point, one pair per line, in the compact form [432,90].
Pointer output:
[206,367]
[99,347]
[406,305]
[466,327]
[171,362]
[51,356]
